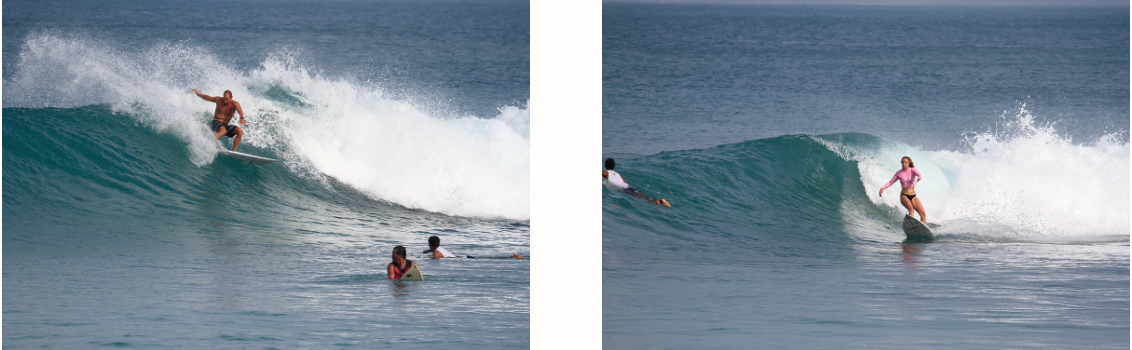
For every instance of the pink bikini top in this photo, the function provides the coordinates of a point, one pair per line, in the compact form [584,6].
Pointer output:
[905,177]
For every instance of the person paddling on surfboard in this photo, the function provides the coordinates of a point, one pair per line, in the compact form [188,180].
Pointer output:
[906,174]
[226,108]
[400,264]
[614,179]
[438,252]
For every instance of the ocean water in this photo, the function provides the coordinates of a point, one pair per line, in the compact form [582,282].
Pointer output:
[770,129]
[392,122]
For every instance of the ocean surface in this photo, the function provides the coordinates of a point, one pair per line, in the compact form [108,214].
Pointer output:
[392,122]
[770,129]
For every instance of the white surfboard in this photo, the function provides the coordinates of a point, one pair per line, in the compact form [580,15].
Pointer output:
[915,229]
[246,158]
[414,274]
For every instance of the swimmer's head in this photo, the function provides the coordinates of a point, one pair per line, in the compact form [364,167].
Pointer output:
[609,164]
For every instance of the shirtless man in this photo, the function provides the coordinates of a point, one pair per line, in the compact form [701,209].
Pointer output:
[438,252]
[226,108]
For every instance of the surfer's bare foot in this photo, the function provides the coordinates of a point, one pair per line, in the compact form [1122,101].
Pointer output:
[517,256]
[663,202]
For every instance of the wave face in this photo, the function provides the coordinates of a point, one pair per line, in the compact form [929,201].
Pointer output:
[1022,183]
[1016,116]
[771,236]
[413,152]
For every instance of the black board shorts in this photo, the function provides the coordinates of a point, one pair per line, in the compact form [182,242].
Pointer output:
[216,125]
[638,194]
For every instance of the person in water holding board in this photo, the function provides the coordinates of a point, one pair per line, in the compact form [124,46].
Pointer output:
[906,175]
[226,108]
[438,252]
[400,264]
[614,179]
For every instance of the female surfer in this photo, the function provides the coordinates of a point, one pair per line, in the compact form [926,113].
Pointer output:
[906,175]
[400,264]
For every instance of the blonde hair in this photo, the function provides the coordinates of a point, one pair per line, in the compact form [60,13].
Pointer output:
[910,164]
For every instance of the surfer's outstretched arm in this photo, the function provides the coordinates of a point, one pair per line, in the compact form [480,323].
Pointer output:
[209,98]
[890,182]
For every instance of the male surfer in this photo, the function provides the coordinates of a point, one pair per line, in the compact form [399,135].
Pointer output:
[614,179]
[400,264]
[226,108]
[438,252]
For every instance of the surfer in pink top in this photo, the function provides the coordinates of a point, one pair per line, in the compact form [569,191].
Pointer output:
[906,175]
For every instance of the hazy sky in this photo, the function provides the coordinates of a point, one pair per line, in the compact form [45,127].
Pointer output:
[1124,3]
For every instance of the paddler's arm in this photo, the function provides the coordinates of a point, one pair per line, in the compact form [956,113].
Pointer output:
[389,270]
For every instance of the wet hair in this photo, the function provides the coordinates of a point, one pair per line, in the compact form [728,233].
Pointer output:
[609,164]
[433,241]
[400,250]
[229,93]
[910,164]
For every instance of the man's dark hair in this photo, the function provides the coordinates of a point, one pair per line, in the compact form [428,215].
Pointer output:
[399,250]
[433,241]
[609,164]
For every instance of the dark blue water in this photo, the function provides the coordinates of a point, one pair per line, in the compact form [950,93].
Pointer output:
[392,122]
[922,75]
[771,129]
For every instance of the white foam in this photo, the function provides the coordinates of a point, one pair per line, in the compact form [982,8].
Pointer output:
[390,149]
[1021,182]
[1037,183]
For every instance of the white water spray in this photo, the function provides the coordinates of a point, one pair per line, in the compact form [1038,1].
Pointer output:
[389,149]
[1023,181]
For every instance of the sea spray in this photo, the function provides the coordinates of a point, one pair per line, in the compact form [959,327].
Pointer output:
[1021,181]
[1032,182]
[388,148]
